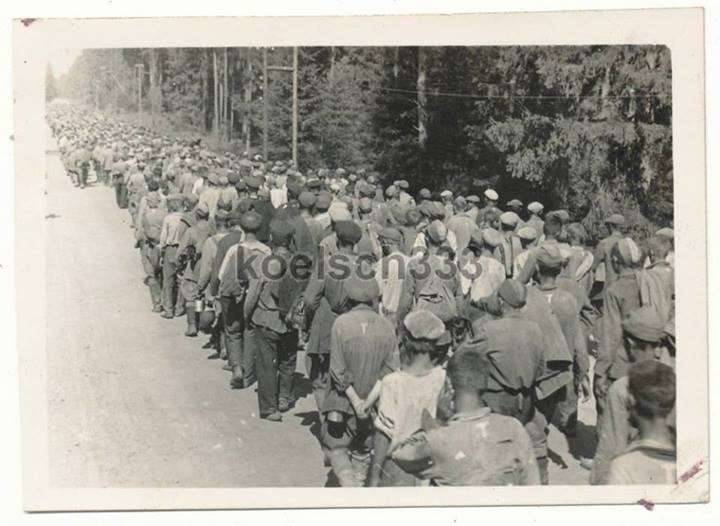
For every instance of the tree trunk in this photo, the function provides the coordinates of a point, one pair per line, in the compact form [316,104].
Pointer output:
[215,93]
[396,63]
[226,98]
[332,63]
[422,99]
[248,100]
[205,88]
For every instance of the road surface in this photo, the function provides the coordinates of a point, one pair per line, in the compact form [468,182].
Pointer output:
[134,403]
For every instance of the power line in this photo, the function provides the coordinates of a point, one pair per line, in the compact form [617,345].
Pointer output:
[431,92]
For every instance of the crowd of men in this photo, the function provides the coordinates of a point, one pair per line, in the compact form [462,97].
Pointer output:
[443,334]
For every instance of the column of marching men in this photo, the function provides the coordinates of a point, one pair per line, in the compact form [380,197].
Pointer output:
[442,335]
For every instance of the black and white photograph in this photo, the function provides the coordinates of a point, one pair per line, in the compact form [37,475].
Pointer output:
[411,267]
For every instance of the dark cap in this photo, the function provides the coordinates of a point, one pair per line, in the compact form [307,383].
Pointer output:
[348,232]
[391,234]
[251,221]
[323,201]
[307,199]
[253,182]
[513,293]
[281,232]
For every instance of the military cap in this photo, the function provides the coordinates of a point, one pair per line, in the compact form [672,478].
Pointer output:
[514,203]
[491,237]
[509,218]
[491,194]
[294,189]
[402,183]
[644,324]
[425,194]
[437,210]
[437,232]
[562,215]
[202,211]
[251,221]
[190,200]
[446,193]
[253,182]
[233,177]
[365,205]
[391,191]
[412,217]
[615,219]
[535,207]
[313,184]
[424,325]
[513,293]
[281,231]
[549,256]
[348,231]
[361,290]
[527,233]
[391,234]
[666,232]
[323,201]
[307,199]
[472,199]
[460,202]
[339,212]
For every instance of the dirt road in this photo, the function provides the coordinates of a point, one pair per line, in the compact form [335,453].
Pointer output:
[134,403]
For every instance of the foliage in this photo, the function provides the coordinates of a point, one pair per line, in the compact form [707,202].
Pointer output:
[587,128]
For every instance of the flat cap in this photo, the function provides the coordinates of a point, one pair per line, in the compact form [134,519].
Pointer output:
[391,191]
[514,203]
[460,202]
[472,199]
[233,177]
[367,190]
[535,207]
[307,199]
[491,194]
[223,180]
[513,293]
[322,203]
[527,233]
[412,217]
[391,234]
[509,218]
[548,255]
[446,193]
[281,231]
[424,325]
[644,324]
[313,184]
[251,221]
[348,231]
[339,212]
[294,189]
[562,214]
[437,232]
[253,182]
[202,211]
[425,194]
[402,183]
[361,290]
[615,219]
[491,237]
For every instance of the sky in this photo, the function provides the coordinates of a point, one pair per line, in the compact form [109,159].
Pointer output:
[62,59]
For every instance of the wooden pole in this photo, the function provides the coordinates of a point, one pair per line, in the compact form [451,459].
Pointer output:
[215,93]
[226,97]
[295,108]
[265,105]
[139,68]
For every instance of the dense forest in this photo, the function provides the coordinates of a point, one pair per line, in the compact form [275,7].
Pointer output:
[583,128]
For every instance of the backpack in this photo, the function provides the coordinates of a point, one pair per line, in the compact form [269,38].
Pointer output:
[435,297]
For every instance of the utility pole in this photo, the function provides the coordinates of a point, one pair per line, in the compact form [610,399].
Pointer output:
[140,71]
[293,70]
[295,108]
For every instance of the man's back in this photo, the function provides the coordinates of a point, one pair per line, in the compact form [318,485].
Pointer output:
[644,462]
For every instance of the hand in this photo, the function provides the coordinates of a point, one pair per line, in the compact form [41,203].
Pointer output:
[360,409]
[600,386]
[585,388]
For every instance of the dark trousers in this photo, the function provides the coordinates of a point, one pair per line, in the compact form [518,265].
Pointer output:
[239,354]
[150,256]
[317,368]
[275,361]
[121,194]
[82,174]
